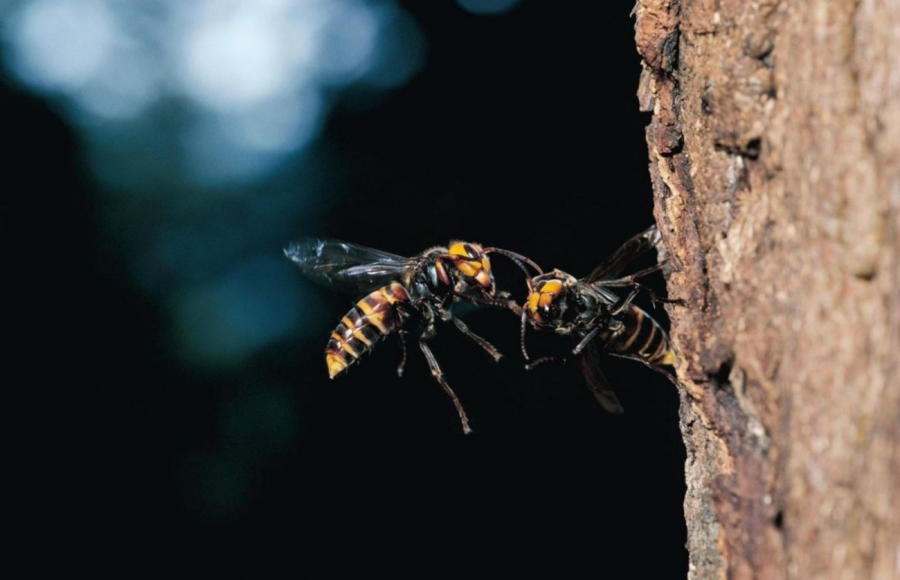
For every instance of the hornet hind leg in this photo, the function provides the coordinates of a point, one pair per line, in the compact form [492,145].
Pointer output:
[401,336]
[439,377]
[658,368]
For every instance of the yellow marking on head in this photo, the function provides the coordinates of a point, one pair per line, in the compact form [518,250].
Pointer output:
[470,261]
[458,249]
[484,280]
[335,364]
[468,267]
[552,287]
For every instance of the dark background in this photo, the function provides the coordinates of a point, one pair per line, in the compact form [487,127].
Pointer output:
[520,131]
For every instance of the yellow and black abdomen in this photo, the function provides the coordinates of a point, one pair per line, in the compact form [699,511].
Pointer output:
[371,319]
[643,338]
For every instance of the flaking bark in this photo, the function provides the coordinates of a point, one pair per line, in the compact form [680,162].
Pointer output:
[775,158]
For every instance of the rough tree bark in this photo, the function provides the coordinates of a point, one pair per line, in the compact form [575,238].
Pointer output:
[775,157]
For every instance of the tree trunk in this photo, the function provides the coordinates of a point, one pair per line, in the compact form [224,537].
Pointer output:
[775,157]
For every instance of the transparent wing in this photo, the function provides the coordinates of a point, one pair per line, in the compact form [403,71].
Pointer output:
[630,251]
[344,266]
[589,359]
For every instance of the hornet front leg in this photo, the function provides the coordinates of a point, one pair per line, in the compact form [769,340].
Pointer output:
[490,348]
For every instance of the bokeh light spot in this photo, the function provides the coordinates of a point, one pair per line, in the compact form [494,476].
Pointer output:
[60,44]
[278,125]
[401,54]
[234,61]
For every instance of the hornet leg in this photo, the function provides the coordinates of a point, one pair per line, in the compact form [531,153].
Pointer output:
[491,350]
[623,304]
[537,362]
[584,341]
[666,373]
[500,301]
[439,377]
[545,359]
[522,336]
[628,280]
[401,336]
[631,281]
[654,297]
[575,351]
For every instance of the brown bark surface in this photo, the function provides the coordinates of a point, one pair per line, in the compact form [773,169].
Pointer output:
[775,156]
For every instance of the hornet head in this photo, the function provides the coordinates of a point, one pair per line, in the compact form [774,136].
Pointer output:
[549,299]
[469,266]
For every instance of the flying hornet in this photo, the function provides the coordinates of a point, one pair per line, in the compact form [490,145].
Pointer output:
[400,294]
[598,320]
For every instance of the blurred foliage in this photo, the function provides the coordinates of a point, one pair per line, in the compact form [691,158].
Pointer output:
[197,118]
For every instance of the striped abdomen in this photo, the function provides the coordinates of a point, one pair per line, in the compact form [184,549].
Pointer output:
[371,319]
[644,338]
